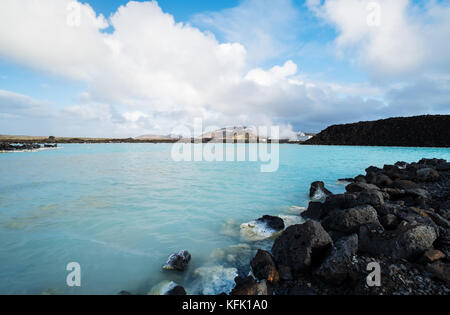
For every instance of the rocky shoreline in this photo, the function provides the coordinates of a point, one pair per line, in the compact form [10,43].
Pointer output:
[17,147]
[396,217]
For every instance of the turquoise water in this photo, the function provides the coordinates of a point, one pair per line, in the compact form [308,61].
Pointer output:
[120,210]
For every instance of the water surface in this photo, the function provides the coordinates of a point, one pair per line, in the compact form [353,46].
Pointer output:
[120,209]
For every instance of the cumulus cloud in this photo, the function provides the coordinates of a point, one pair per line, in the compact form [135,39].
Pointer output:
[266,28]
[391,39]
[149,74]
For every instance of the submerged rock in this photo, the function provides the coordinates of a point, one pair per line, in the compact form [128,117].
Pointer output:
[301,246]
[274,223]
[214,280]
[263,228]
[178,261]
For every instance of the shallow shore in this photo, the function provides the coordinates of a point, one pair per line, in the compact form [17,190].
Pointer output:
[396,217]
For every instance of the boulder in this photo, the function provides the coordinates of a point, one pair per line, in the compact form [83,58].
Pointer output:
[382,180]
[318,191]
[427,175]
[371,197]
[432,162]
[314,211]
[338,266]
[350,220]
[274,223]
[358,187]
[178,261]
[302,246]
[407,242]
[340,201]
[264,267]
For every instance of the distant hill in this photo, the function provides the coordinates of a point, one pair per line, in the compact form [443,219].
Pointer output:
[231,133]
[157,137]
[419,131]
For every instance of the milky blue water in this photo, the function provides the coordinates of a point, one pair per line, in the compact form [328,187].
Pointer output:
[120,210]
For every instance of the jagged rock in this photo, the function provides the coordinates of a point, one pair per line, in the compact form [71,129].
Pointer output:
[302,246]
[178,261]
[338,266]
[440,270]
[359,187]
[315,211]
[340,201]
[318,191]
[360,179]
[274,223]
[264,267]
[407,242]
[349,221]
[427,175]
[371,197]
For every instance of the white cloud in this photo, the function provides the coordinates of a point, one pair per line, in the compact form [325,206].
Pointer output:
[15,104]
[274,75]
[407,40]
[152,75]
[266,28]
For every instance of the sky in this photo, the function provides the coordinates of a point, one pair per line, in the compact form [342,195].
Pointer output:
[114,68]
